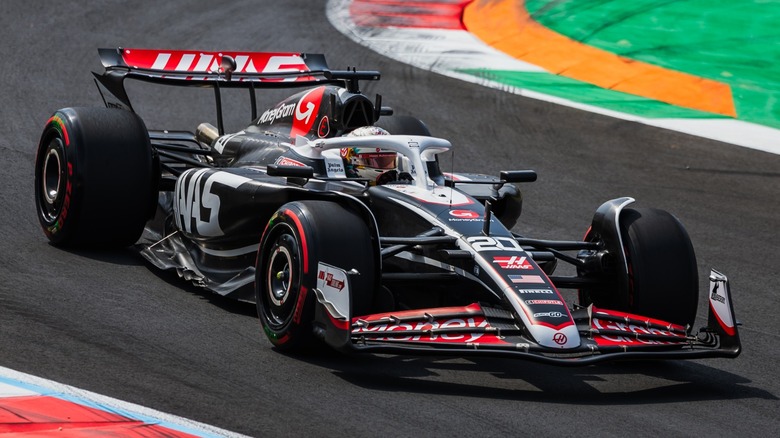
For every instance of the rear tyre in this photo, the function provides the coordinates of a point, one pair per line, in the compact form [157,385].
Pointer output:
[94,180]
[298,237]
[663,281]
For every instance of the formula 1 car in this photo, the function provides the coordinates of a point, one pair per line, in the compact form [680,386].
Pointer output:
[333,216]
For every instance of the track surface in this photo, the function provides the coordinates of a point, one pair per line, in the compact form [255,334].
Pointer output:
[105,322]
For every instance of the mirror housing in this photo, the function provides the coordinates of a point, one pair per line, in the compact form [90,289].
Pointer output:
[227,66]
[517,176]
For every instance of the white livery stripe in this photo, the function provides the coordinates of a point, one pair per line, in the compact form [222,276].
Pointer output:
[161,61]
[185,62]
[251,67]
[241,61]
[203,62]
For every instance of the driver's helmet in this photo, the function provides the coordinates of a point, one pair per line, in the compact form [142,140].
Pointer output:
[379,166]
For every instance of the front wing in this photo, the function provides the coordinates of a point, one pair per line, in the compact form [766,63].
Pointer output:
[476,329]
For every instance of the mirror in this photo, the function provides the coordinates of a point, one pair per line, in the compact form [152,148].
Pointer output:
[227,66]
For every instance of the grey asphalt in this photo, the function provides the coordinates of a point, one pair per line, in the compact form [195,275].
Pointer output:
[106,322]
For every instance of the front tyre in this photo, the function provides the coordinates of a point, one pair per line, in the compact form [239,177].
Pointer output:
[298,237]
[663,276]
[662,280]
[285,302]
[94,177]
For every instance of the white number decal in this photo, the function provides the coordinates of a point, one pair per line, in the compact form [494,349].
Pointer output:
[485,243]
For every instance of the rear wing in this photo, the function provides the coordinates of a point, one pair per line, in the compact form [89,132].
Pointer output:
[248,70]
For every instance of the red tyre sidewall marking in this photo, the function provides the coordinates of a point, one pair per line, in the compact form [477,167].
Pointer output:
[59,125]
[305,250]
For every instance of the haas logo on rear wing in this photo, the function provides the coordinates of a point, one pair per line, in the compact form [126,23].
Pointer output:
[198,68]
[209,62]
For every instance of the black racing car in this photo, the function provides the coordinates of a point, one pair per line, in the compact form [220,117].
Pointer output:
[333,216]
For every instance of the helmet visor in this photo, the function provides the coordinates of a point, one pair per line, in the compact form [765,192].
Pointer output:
[376,160]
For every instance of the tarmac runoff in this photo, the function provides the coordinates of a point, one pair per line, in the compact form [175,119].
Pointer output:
[499,44]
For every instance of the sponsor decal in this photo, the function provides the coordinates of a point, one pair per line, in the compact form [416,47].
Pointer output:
[550,315]
[487,243]
[303,113]
[284,161]
[306,110]
[460,215]
[281,111]
[715,296]
[464,214]
[529,279]
[560,339]
[335,168]
[330,281]
[551,302]
[196,205]
[719,302]
[208,62]
[632,329]
[280,63]
[332,292]
[535,291]
[513,262]
[324,129]
[463,323]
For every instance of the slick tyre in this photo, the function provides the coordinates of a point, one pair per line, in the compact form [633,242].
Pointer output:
[299,236]
[662,280]
[94,180]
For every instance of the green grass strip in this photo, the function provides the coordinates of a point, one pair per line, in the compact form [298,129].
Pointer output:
[736,42]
